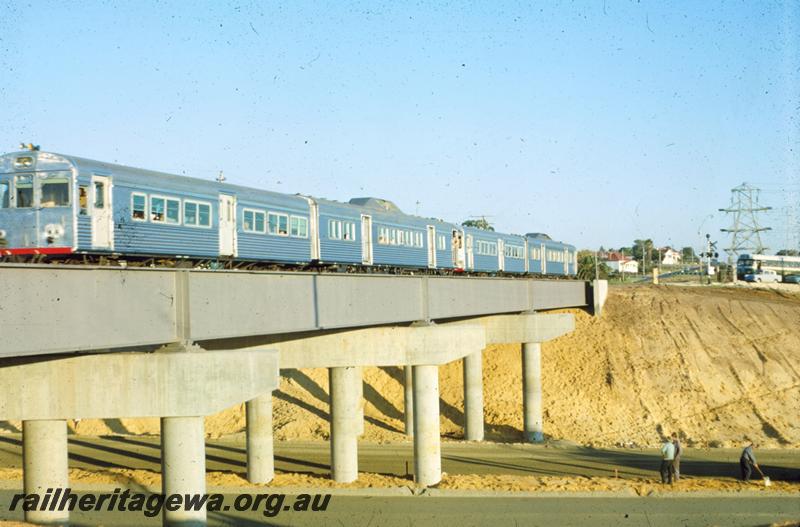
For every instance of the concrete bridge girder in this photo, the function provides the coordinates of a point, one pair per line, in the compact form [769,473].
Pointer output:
[114,385]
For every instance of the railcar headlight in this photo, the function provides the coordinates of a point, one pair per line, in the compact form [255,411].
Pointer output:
[23,162]
[2,233]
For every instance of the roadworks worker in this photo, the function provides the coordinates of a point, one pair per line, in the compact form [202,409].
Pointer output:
[667,460]
[676,462]
[748,461]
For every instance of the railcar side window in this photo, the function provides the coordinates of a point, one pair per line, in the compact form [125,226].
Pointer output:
[278,224]
[157,206]
[189,213]
[335,230]
[341,230]
[383,235]
[196,214]
[349,230]
[441,242]
[139,207]
[173,211]
[204,215]
[514,251]
[4,195]
[83,200]
[253,221]
[299,227]
[486,248]
[55,191]
[24,184]
[165,210]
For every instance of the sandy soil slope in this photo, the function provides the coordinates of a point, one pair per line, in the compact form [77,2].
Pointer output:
[716,365]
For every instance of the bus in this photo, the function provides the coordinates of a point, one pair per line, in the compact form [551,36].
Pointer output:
[755,263]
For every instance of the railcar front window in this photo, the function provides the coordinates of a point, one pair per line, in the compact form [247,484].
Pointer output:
[24,184]
[55,191]
[4,195]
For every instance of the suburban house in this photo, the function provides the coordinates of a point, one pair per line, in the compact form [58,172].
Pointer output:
[621,263]
[670,256]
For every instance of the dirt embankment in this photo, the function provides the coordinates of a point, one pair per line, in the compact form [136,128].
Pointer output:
[715,364]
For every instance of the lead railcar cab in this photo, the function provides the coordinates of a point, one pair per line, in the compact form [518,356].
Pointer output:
[51,204]
[39,205]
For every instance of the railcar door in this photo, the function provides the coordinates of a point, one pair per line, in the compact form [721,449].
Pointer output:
[527,256]
[227,225]
[457,249]
[501,255]
[102,213]
[470,252]
[431,246]
[544,259]
[366,239]
[313,229]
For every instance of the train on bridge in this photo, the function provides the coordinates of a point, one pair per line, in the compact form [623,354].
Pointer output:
[65,208]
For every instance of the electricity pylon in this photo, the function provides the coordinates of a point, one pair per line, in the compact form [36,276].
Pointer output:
[746,230]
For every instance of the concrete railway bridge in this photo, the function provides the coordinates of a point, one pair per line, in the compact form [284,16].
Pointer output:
[94,342]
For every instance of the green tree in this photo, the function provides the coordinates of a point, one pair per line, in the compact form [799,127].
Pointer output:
[648,249]
[586,263]
[480,223]
[688,255]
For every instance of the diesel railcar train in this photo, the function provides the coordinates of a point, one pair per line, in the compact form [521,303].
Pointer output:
[55,206]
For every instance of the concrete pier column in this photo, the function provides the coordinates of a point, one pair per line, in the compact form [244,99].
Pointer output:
[408,400]
[473,397]
[260,453]
[427,448]
[183,466]
[45,465]
[344,388]
[532,391]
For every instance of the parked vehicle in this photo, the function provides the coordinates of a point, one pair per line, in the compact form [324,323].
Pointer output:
[763,276]
[791,279]
[64,207]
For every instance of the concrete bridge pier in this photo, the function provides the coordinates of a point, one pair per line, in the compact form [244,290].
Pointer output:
[183,466]
[259,438]
[408,400]
[419,349]
[45,465]
[345,390]
[531,329]
[532,429]
[427,443]
[473,397]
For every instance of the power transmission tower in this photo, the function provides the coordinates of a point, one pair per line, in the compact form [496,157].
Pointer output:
[746,230]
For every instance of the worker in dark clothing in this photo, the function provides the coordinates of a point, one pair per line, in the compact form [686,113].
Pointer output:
[748,461]
[676,462]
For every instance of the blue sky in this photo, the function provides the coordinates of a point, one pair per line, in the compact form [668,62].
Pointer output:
[596,122]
